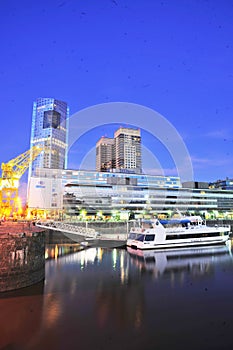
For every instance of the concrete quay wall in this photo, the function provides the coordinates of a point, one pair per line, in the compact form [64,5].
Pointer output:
[22,261]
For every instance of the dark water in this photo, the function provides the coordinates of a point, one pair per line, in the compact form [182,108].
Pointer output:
[114,299]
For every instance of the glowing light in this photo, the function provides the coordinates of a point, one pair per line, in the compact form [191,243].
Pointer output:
[114,258]
[56,252]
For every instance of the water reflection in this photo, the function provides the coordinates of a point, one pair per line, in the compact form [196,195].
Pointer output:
[177,262]
[20,316]
[54,251]
[105,298]
[94,285]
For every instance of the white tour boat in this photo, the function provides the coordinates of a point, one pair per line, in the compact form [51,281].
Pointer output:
[182,232]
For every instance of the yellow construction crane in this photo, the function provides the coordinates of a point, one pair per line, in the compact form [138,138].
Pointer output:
[12,171]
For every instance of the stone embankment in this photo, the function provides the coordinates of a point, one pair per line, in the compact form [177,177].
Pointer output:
[22,261]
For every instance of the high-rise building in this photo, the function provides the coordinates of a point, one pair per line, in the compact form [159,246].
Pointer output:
[128,150]
[49,131]
[105,154]
[121,153]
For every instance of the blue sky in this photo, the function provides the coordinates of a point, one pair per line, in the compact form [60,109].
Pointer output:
[174,56]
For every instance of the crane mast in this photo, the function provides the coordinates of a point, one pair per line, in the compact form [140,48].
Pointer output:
[9,181]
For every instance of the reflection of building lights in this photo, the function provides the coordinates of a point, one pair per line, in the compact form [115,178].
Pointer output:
[228,244]
[87,256]
[46,255]
[122,269]
[99,254]
[114,258]
[122,261]
[52,310]
[138,318]
[56,252]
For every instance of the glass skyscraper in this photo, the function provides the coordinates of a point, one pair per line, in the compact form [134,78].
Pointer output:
[50,132]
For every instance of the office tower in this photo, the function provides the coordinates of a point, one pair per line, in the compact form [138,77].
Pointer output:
[121,153]
[49,131]
[128,150]
[105,159]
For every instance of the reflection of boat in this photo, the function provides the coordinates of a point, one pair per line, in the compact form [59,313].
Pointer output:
[186,231]
[181,259]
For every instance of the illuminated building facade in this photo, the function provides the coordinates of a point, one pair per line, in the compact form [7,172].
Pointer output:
[75,190]
[49,131]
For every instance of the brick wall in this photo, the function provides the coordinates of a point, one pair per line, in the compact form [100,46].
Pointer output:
[22,261]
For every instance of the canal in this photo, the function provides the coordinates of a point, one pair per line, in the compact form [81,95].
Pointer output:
[120,299]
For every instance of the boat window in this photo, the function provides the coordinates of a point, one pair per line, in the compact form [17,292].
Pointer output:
[140,237]
[173,236]
[132,235]
[149,237]
[193,235]
[147,225]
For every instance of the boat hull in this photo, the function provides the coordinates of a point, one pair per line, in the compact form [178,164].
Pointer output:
[170,245]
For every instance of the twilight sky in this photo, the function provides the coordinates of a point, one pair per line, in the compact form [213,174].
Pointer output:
[173,56]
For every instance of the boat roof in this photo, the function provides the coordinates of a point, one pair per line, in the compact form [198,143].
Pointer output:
[167,221]
[148,221]
[175,221]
